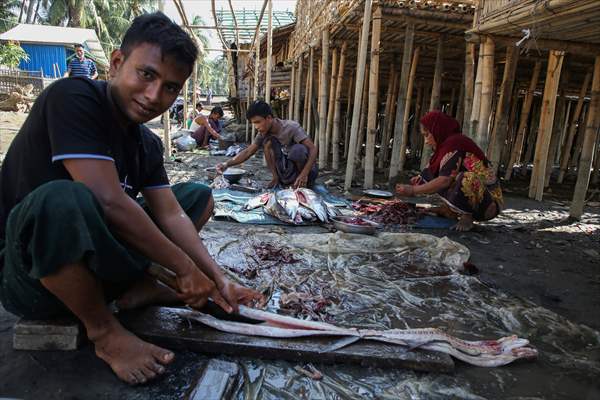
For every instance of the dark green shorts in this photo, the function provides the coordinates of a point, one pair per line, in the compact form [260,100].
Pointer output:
[60,223]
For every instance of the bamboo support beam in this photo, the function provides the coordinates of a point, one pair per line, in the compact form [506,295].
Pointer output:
[409,92]
[468,87]
[167,134]
[311,73]
[416,133]
[566,150]
[363,116]
[338,108]
[559,121]
[360,63]
[436,92]
[373,100]
[298,99]
[476,105]
[500,130]
[331,107]
[591,132]
[323,98]
[306,104]
[349,105]
[291,103]
[460,104]
[269,52]
[536,185]
[527,102]
[388,118]
[487,94]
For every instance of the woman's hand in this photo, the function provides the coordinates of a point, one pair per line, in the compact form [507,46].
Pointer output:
[415,180]
[405,190]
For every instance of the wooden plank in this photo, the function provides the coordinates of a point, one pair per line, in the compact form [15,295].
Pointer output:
[373,97]
[218,381]
[165,327]
[60,334]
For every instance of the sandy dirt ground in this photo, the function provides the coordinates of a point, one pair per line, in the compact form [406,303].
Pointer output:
[532,250]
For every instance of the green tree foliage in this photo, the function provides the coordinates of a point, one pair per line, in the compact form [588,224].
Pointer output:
[11,54]
[8,14]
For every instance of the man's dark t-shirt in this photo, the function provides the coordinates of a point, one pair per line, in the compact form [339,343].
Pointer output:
[71,119]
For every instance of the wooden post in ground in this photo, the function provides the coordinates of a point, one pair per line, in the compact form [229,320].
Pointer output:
[487,91]
[596,174]
[532,136]
[522,127]
[436,91]
[373,100]
[385,141]
[311,73]
[536,185]
[452,105]
[323,98]
[592,125]
[186,101]
[503,107]
[415,133]
[167,134]
[559,121]
[363,115]
[306,105]
[298,99]
[349,104]
[409,91]
[292,91]
[270,53]
[511,129]
[476,105]
[566,150]
[468,87]
[331,107]
[195,85]
[579,137]
[338,108]
[460,104]
[360,65]
[409,39]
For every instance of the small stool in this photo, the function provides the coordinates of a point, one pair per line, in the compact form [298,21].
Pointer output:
[58,334]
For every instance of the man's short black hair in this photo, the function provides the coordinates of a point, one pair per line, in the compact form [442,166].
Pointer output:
[78,45]
[217,110]
[158,29]
[259,109]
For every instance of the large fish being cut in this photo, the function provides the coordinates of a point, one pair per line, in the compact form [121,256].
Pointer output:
[257,201]
[312,201]
[485,353]
[275,209]
[289,202]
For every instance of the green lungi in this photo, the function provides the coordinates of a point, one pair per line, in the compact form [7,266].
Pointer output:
[59,223]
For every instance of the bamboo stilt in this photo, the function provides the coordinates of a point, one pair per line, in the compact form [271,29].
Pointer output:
[270,54]
[323,97]
[511,132]
[436,91]
[385,141]
[476,105]
[361,62]
[298,100]
[536,185]
[167,134]
[468,87]
[579,137]
[306,105]
[415,134]
[349,113]
[502,110]
[409,39]
[373,100]
[532,137]
[330,108]
[519,140]
[311,72]
[452,105]
[338,108]
[363,116]
[566,150]
[559,120]
[409,91]
[487,89]
[292,90]
[460,103]
[591,132]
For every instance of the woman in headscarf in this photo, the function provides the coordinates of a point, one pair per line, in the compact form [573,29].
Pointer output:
[458,171]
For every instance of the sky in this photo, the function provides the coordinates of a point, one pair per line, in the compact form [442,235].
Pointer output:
[203,8]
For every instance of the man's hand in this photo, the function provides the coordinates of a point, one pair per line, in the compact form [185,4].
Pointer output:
[237,294]
[221,167]
[301,181]
[415,180]
[195,288]
[405,190]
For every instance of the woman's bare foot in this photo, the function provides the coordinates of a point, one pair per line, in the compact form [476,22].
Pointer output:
[464,224]
[131,359]
[145,292]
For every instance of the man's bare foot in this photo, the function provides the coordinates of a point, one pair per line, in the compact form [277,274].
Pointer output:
[464,224]
[145,292]
[132,359]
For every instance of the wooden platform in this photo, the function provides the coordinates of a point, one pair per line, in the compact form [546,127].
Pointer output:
[164,326]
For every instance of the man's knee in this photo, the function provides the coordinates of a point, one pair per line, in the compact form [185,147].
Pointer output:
[194,198]
[298,153]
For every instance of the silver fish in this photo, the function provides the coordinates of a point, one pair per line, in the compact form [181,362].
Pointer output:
[307,214]
[288,200]
[257,201]
[275,209]
[312,201]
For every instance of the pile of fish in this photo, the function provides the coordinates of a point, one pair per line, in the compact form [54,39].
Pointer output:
[293,206]
[484,353]
[394,212]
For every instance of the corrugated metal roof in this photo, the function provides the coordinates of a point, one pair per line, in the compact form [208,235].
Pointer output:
[29,33]
[248,18]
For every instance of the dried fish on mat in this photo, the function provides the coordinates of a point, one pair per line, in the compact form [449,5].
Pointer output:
[483,353]
[395,212]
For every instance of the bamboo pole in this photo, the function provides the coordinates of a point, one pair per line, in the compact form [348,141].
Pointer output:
[387,125]
[363,116]
[579,137]
[373,100]
[306,100]
[527,102]
[317,114]
[186,100]
[409,39]
[255,89]
[566,150]
[338,108]
[460,105]
[311,73]
[532,137]
[591,132]
[323,97]
[409,92]
[487,91]
[270,52]
[331,107]
[194,84]
[167,134]
[596,174]
[536,185]
[436,91]
[361,62]
[452,105]
[561,109]
[415,134]
[349,113]
[511,131]
[298,99]
[503,107]
[292,91]
[468,86]
[476,105]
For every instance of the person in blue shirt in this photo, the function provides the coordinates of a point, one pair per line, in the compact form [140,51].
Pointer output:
[81,66]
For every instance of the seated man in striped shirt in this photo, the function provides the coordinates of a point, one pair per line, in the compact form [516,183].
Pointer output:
[81,66]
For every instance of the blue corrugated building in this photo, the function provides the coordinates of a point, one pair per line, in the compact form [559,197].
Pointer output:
[49,47]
